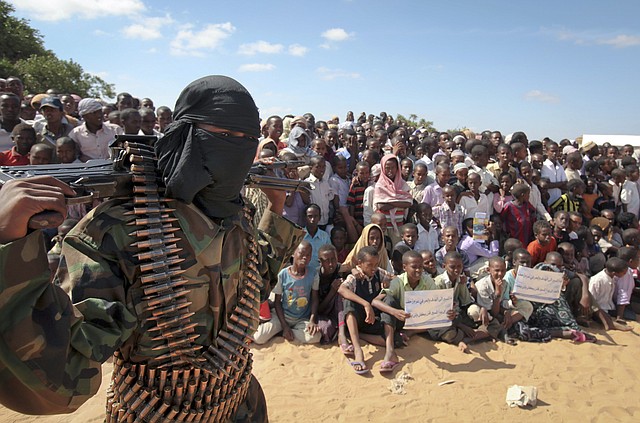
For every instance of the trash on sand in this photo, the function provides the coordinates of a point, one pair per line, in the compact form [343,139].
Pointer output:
[446,382]
[522,396]
[398,383]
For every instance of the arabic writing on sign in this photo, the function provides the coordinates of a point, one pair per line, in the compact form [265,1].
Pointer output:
[537,285]
[428,309]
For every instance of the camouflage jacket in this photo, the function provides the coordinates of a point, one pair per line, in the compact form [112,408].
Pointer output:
[55,336]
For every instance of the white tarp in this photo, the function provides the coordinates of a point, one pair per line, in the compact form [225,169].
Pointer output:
[617,140]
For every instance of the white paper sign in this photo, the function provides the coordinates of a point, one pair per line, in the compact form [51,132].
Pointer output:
[428,308]
[540,286]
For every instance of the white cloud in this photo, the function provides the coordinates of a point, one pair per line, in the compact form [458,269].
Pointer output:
[537,95]
[297,50]
[101,33]
[56,10]
[593,38]
[621,41]
[331,74]
[147,28]
[336,34]
[256,67]
[194,43]
[263,47]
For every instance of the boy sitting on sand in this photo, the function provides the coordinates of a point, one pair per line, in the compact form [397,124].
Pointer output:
[462,330]
[362,320]
[296,302]
[511,308]
[391,300]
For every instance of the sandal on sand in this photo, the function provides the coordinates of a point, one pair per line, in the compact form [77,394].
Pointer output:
[347,349]
[388,366]
[363,367]
[579,337]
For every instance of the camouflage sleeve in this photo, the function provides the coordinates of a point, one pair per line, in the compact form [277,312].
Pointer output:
[278,238]
[42,370]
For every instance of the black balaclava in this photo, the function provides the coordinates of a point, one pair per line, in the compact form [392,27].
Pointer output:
[202,167]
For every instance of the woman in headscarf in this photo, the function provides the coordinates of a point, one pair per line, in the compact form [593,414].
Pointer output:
[372,235]
[300,144]
[392,196]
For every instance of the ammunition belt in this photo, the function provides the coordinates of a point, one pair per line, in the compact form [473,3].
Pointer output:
[189,382]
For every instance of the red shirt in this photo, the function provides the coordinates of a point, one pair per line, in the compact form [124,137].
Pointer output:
[538,252]
[13,158]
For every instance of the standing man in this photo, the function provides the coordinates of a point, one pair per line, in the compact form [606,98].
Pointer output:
[9,118]
[94,135]
[174,309]
[54,125]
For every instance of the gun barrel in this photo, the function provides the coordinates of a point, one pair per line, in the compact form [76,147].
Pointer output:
[272,182]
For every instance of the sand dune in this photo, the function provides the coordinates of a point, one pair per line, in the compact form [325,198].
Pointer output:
[576,382]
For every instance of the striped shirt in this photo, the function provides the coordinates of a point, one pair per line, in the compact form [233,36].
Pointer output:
[355,199]
[564,203]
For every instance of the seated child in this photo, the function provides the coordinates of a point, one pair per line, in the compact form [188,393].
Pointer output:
[625,284]
[391,301]
[602,287]
[477,252]
[542,244]
[362,320]
[296,302]
[450,238]
[41,154]
[330,316]
[513,309]
[461,332]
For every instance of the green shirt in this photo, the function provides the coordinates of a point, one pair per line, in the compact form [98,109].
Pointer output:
[400,284]
[461,294]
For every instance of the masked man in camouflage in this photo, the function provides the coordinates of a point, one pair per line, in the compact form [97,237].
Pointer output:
[168,287]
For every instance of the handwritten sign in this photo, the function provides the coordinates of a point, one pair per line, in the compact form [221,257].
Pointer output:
[540,286]
[428,308]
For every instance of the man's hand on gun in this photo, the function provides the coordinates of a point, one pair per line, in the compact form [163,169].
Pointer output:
[21,199]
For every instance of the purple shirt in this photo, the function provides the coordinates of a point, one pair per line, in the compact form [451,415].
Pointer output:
[433,195]
[475,250]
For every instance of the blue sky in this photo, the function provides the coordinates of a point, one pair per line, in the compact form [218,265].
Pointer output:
[548,68]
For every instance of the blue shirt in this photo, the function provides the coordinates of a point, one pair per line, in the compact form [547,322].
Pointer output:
[318,240]
[296,292]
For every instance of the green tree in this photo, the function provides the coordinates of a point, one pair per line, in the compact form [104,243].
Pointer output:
[22,53]
[18,39]
[412,120]
[39,73]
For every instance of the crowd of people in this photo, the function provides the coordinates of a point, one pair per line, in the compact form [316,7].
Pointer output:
[392,209]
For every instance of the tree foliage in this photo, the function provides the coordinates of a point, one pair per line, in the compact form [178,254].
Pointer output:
[413,120]
[22,54]
[18,39]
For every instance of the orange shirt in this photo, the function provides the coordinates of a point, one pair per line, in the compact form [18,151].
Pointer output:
[538,252]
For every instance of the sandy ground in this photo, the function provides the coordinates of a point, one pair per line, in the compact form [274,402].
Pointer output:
[576,382]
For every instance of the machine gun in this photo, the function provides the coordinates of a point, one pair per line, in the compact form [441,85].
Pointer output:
[102,178]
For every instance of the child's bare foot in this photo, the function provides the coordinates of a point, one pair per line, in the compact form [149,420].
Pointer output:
[463,347]
[623,328]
